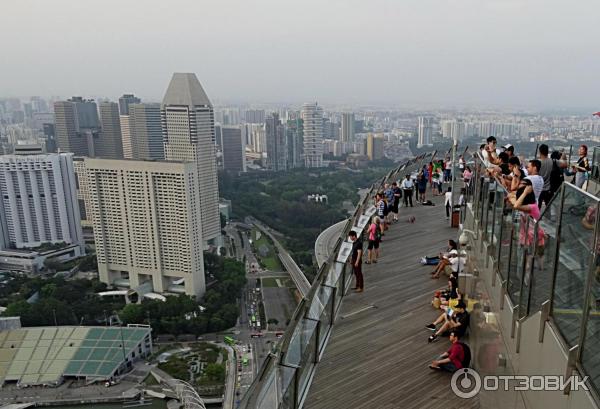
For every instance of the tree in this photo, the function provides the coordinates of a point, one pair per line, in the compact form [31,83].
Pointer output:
[215,372]
[223,220]
[132,314]
[273,321]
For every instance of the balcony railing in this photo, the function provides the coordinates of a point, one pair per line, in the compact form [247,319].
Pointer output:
[285,376]
[552,263]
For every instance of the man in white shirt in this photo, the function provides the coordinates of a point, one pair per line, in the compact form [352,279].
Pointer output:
[537,182]
[407,188]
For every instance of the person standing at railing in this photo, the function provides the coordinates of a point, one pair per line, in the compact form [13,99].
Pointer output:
[537,182]
[422,187]
[356,261]
[397,196]
[582,167]
[547,166]
[380,205]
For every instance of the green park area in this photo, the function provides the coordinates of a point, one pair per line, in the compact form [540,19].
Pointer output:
[265,251]
[201,364]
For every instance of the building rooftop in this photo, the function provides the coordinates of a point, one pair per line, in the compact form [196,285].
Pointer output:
[43,355]
[185,89]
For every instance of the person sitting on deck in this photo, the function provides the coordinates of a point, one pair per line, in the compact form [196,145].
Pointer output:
[453,319]
[452,360]
[445,258]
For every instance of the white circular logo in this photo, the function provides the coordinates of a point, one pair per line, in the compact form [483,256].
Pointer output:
[465,383]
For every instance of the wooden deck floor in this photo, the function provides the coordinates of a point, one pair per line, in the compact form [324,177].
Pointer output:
[378,354]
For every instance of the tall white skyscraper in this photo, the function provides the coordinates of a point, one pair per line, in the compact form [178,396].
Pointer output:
[126,136]
[347,133]
[312,115]
[188,128]
[425,131]
[39,201]
[147,224]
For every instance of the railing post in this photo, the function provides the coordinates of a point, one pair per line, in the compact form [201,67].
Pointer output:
[571,363]
[543,319]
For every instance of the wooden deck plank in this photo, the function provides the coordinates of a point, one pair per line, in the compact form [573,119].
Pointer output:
[378,357]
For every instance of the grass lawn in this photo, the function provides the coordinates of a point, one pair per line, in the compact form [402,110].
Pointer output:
[271,262]
[269,282]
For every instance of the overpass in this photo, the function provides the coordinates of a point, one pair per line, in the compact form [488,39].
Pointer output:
[300,280]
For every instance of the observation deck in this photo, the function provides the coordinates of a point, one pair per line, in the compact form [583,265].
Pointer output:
[378,354]
[534,301]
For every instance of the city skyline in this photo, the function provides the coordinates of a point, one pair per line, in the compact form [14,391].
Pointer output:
[463,53]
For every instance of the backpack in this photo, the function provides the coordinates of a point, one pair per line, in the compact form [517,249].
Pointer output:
[467,355]
[556,177]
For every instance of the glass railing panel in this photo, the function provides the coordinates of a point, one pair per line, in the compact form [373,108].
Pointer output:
[308,363]
[517,257]
[287,377]
[574,261]
[485,199]
[493,192]
[339,285]
[590,358]
[531,238]
[506,231]
[498,216]
[267,397]
[545,257]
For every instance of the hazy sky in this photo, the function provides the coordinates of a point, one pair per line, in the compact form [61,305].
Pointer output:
[521,53]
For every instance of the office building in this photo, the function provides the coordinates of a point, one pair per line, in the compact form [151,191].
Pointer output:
[82,190]
[425,129]
[146,132]
[374,147]
[233,149]
[39,201]
[109,145]
[147,224]
[125,101]
[294,134]
[347,132]
[312,117]
[255,116]
[68,135]
[275,138]
[126,136]
[189,135]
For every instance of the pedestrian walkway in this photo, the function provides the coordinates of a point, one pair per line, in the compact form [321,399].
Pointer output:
[378,355]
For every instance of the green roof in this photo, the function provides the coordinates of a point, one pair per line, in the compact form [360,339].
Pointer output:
[43,355]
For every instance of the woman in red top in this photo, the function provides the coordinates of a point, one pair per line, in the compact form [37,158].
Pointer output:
[373,248]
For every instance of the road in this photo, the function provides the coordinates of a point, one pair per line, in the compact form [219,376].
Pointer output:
[302,283]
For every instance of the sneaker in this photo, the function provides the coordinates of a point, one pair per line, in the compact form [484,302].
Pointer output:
[358,290]
[430,326]
[432,338]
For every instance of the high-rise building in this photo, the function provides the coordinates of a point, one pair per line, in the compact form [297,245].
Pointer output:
[312,115]
[255,116]
[109,145]
[147,224]
[146,132]
[68,137]
[82,190]
[374,147]
[125,101]
[425,130]
[347,133]
[39,201]
[189,135]
[233,148]
[295,143]
[126,136]
[275,137]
